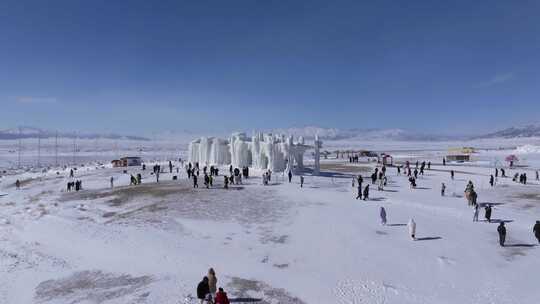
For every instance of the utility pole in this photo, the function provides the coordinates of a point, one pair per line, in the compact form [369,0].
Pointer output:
[56,149]
[19,150]
[39,150]
[96,149]
[74,146]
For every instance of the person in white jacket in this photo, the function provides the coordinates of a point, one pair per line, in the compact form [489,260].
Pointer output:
[475,213]
[383,216]
[412,229]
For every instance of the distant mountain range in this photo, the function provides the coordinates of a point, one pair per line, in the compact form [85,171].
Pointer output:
[404,135]
[32,132]
[308,132]
[515,132]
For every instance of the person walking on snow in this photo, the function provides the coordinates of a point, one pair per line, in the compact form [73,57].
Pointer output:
[476,210]
[359,189]
[502,234]
[536,231]
[206,181]
[383,216]
[290,176]
[487,214]
[366,192]
[301,181]
[412,229]
[112,182]
[195,183]
[443,189]
[491,180]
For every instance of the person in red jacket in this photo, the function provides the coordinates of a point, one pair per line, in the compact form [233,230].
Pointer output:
[221,297]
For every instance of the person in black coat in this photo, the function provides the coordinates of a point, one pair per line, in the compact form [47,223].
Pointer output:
[203,289]
[359,196]
[502,233]
[536,231]
[491,180]
[488,213]
[366,192]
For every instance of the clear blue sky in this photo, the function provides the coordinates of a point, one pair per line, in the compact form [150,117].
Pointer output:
[146,66]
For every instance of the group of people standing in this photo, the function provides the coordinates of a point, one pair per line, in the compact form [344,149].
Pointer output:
[134,180]
[522,178]
[74,186]
[207,291]
[211,172]
[354,159]
[266,177]
[361,191]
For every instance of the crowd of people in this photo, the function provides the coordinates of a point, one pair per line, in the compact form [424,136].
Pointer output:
[379,177]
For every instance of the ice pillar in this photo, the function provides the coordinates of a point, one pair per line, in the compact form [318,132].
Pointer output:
[318,145]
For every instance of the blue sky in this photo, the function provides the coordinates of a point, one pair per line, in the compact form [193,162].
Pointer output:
[146,66]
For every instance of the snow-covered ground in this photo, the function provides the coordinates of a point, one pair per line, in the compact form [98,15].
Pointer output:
[152,243]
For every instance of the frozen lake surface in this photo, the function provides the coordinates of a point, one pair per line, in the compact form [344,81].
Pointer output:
[280,243]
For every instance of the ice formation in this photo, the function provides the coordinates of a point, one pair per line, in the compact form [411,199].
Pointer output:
[261,151]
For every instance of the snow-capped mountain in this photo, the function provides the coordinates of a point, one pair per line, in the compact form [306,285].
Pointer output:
[32,132]
[396,134]
[532,130]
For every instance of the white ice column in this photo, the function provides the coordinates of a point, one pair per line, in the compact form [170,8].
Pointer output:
[194,151]
[204,150]
[318,146]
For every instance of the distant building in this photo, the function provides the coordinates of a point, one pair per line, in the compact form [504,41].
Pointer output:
[461,150]
[460,158]
[117,163]
[460,155]
[387,159]
[127,161]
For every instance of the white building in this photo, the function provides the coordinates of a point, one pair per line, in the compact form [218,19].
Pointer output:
[262,151]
